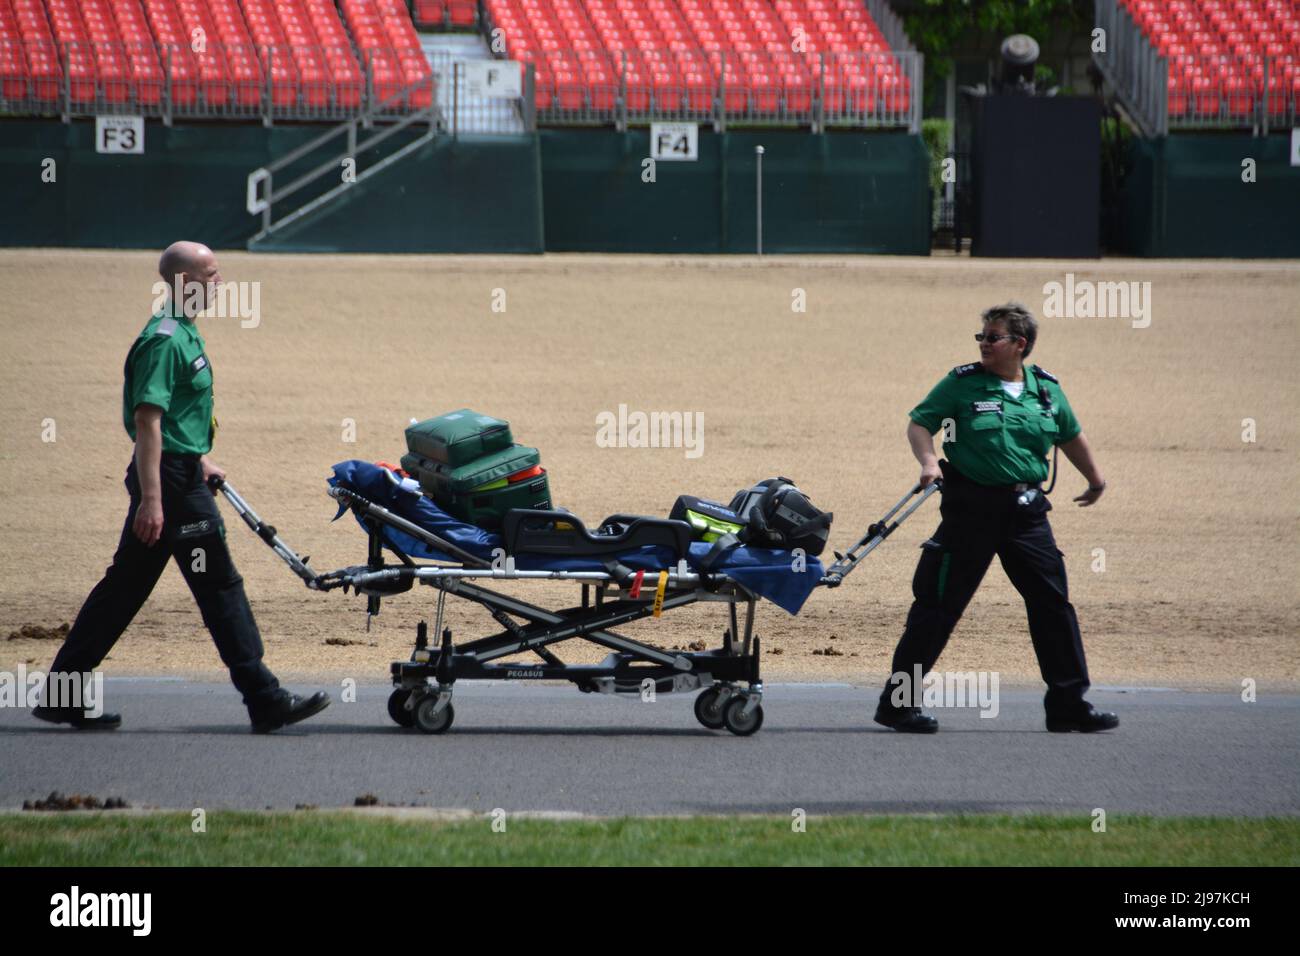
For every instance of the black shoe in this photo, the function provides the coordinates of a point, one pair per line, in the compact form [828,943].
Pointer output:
[288,709]
[78,718]
[906,720]
[1088,722]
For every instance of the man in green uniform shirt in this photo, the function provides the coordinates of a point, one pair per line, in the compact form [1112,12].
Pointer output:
[167,411]
[999,420]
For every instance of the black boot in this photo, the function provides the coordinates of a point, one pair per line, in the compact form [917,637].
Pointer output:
[77,717]
[1087,721]
[287,709]
[906,720]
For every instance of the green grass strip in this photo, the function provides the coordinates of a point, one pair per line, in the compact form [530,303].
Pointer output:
[323,838]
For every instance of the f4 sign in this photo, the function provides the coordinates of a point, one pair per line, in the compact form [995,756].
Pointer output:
[674,142]
[119,134]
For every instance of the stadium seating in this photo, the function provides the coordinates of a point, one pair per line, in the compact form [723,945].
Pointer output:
[1216,51]
[764,56]
[387,40]
[437,13]
[33,55]
[216,56]
[242,64]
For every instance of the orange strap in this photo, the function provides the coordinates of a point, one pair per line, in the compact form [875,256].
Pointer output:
[659,594]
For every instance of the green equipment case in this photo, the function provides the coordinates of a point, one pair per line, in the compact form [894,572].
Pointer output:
[487,508]
[458,438]
[480,491]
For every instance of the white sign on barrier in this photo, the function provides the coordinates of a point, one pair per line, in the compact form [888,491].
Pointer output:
[1295,147]
[119,134]
[674,142]
[494,79]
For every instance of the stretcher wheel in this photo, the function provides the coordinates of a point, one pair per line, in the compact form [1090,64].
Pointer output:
[397,707]
[430,722]
[707,710]
[740,725]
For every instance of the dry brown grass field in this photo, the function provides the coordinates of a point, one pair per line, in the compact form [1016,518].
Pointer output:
[1199,528]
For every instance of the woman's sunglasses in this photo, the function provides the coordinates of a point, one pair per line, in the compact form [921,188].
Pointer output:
[992,337]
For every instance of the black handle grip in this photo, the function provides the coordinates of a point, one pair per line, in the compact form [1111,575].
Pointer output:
[215,482]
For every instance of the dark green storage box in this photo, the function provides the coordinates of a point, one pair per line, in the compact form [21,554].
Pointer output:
[413,464]
[487,508]
[439,479]
[458,438]
[461,493]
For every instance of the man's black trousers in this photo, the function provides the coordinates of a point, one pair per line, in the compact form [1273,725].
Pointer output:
[979,522]
[193,534]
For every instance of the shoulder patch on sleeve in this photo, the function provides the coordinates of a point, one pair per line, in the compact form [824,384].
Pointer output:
[1044,373]
[961,371]
[168,326]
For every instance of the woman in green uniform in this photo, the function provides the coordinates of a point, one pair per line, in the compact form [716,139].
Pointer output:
[1000,419]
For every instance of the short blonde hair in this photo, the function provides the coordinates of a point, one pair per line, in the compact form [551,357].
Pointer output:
[1018,320]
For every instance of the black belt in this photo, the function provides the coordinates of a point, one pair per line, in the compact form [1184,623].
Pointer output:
[953,476]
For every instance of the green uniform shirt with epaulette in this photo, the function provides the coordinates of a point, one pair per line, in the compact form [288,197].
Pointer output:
[993,438]
[167,367]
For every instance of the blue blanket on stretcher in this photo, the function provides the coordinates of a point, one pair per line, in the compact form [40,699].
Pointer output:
[765,571]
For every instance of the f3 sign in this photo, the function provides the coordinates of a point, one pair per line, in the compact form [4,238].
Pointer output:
[119,134]
[674,142]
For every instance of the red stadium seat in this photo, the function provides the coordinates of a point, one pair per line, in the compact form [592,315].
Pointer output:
[660,42]
[1220,47]
[429,12]
[699,91]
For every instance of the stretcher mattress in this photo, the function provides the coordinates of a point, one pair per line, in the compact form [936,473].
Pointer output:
[768,572]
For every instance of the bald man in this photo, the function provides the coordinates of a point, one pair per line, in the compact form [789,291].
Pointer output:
[167,411]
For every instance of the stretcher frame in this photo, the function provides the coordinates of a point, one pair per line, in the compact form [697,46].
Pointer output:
[729,676]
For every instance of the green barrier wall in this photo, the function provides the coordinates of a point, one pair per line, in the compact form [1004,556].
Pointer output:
[840,192]
[463,195]
[1184,196]
[188,183]
[834,193]
[470,195]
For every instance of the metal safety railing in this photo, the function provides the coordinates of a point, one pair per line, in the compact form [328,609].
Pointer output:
[1188,90]
[1201,93]
[867,89]
[1133,68]
[263,195]
[468,108]
[891,25]
[217,80]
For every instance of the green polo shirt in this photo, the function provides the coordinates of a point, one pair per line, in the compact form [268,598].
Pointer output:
[995,439]
[167,367]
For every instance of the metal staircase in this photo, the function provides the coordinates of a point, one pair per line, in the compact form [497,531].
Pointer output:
[263,195]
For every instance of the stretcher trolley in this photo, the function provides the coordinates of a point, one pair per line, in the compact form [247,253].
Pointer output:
[631,567]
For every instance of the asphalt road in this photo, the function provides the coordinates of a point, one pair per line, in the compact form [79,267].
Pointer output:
[529,748]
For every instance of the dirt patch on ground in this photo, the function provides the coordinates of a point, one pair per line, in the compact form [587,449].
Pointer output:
[77,801]
[37,632]
[1187,572]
